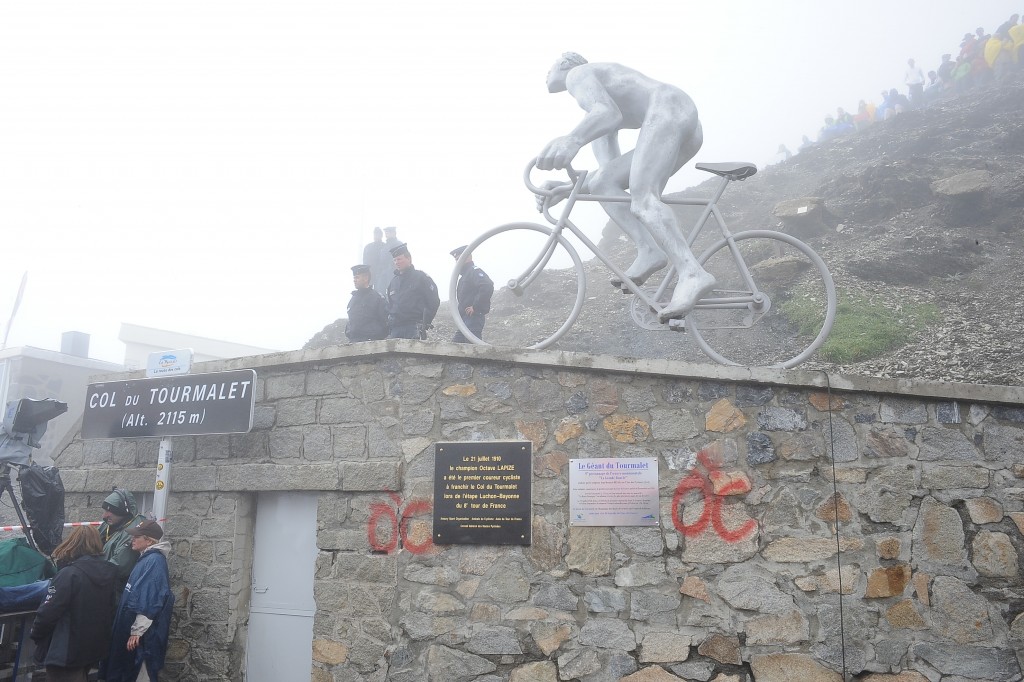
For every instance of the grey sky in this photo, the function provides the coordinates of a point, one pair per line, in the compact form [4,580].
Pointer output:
[214,168]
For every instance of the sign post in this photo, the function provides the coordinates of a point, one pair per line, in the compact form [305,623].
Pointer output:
[165,363]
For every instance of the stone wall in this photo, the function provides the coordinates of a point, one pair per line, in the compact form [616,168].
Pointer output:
[745,579]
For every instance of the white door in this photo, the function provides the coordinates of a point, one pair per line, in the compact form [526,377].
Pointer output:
[282,607]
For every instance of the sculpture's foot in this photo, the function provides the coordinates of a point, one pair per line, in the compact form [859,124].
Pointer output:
[688,291]
[642,268]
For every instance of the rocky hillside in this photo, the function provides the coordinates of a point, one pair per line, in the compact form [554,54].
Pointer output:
[922,210]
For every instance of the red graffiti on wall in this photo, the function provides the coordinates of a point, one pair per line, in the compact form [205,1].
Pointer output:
[393,523]
[712,511]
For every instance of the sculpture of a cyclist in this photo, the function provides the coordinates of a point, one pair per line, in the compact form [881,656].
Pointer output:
[614,98]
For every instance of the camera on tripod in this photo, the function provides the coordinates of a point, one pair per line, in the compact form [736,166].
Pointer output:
[23,426]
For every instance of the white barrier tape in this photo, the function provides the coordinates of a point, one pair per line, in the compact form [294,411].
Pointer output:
[66,525]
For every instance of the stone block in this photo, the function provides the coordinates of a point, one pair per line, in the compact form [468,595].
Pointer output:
[743,587]
[903,615]
[626,429]
[722,648]
[665,647]
[646,604]
[994,555]
[549,637]
[445,663]
[1003,442]
[887,581]
[984,510]
[970,662]
[578,663]
[654,673]
[958,613]
[590,550]
[784,628]
[371,476]
[790,667]
[801,550]
[946,444]
[607,633]
[255,477]
[538,671]
[724,417]
[296,411]
[939,541]
[284,386]
[495,640]
[673,425]
[780,419]
[328,652]
[953,476]
[694,586]
[760,449]
[902,411]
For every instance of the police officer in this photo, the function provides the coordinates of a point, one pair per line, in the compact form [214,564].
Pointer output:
[412,298]
[473,292]
[367,310]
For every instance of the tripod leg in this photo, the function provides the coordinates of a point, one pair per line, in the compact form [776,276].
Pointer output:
[5,484]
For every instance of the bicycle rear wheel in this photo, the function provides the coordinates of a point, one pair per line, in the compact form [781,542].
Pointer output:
[539,286]
[793,317]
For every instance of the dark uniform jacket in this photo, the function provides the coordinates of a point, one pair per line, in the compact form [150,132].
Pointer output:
[367,316]
[73,624]
[474,289]
[412,298]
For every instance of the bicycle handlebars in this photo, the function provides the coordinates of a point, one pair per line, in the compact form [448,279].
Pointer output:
[573,176]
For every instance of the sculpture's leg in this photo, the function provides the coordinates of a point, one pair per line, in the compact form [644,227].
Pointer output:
[671,136]
[612,179]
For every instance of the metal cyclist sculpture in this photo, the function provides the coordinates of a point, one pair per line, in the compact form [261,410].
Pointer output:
[756,297]
[614,98]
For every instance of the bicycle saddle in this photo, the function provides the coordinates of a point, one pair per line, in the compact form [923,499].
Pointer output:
[734,171]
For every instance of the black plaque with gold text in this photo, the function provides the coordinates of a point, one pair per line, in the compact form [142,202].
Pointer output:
[482,493]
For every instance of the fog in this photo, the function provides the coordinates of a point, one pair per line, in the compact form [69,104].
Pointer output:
[215,168]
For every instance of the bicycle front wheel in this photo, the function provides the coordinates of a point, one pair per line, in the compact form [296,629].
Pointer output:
[539,286]
[778,315]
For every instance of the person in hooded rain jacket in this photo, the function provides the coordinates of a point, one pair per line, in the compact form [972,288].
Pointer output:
[119,514]
[143,621]
[72,626]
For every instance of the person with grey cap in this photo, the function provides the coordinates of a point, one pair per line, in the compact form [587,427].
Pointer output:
[119,514]
[378,258]
[473,292]
[412,298]
[367,310]
[142,624]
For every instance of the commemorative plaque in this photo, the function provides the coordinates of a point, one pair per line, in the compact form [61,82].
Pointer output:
[483,493]
[613,491]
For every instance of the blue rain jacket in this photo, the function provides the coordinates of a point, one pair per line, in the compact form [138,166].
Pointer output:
[148,592]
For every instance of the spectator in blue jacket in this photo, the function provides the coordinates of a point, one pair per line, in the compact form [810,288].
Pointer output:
[143,621]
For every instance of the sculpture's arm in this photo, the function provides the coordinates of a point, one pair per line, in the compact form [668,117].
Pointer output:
[603,118]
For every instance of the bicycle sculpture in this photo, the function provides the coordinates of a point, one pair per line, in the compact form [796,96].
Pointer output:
[757,297]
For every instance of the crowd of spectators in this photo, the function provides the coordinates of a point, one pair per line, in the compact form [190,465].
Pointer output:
[983,59]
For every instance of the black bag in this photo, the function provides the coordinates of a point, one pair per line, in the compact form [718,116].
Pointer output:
[42,496]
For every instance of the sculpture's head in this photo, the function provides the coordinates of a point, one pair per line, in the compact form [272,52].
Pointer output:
[558,72]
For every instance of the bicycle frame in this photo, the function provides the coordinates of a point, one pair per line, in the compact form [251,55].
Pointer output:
[577,193]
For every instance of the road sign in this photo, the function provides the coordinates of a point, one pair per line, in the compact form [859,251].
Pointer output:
[189,405]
